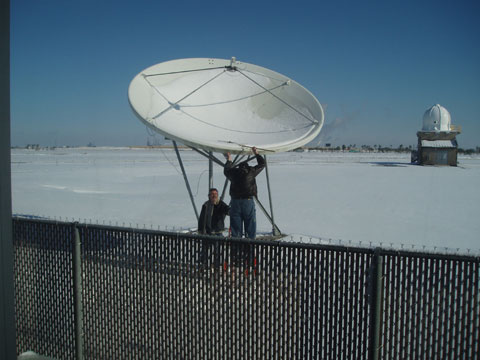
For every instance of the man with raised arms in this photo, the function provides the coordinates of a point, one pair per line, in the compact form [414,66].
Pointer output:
[243,189]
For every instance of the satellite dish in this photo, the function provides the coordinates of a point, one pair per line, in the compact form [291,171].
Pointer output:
[225,106]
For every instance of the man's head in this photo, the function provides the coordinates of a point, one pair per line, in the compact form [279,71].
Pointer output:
[213,196]
[244,166]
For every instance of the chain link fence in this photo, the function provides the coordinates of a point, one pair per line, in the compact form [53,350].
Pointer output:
[102,292]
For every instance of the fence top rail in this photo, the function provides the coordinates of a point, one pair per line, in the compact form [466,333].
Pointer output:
[429,255]
[262,242]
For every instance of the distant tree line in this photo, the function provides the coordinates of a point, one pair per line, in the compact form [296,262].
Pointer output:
[469,151]
[382,148]
[364,148]
[33,146]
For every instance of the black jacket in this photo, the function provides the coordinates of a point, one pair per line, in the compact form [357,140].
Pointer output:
[243,178]
[212,218]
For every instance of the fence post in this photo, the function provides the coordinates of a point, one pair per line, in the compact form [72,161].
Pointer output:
[7,307]
[376,288]
[77,295]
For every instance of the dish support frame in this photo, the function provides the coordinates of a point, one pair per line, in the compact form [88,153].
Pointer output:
[238,158]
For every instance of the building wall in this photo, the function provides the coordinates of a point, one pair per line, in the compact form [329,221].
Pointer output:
[438,156]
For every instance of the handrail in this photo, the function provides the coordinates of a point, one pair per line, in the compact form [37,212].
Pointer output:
[457,128]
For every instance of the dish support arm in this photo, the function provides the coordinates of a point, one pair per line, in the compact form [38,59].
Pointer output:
[186,179]
[275,230]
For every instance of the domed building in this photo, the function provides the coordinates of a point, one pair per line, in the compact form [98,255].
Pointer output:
[437,143]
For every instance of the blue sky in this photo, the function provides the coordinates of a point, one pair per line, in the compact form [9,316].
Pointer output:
[375,65]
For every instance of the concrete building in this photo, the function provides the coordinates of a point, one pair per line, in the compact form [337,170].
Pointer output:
[437,143]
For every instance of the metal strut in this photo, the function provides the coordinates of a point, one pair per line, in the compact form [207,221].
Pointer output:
[275,230]
[210,170]
[186,179]
[208,156]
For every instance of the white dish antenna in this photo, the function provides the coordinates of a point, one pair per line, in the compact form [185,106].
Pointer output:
[225,106]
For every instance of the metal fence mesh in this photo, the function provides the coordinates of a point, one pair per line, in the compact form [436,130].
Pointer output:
[44,288]
[431,308]
[150,294]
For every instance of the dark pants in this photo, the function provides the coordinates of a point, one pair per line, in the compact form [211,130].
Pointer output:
[243,216]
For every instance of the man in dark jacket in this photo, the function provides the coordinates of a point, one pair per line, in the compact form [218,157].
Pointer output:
[212,216]
[212,222]
[243,189]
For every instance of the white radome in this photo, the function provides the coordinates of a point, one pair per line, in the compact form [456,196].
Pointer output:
[437,118]
[225,106]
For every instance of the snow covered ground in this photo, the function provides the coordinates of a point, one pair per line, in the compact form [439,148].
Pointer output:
[362,199]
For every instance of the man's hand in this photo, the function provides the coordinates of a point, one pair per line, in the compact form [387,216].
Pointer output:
[228,156]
